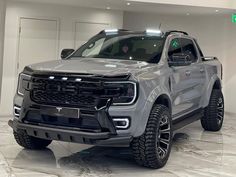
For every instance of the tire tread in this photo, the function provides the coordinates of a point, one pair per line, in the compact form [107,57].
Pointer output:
[30,142]
[209,120]
[144,147]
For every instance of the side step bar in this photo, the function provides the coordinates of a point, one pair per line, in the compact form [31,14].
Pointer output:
[188,119]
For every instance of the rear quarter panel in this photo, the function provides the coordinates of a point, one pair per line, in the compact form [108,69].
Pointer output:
[213,73]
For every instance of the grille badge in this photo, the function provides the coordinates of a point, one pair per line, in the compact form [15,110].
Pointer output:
[58,109]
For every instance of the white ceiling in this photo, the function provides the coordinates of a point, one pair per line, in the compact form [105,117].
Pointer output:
[139,7]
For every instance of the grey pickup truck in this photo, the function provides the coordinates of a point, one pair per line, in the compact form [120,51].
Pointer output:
[121,88]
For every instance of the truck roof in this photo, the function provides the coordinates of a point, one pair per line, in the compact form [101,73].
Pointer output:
[161,33]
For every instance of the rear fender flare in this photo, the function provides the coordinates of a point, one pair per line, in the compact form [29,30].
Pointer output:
[206,98]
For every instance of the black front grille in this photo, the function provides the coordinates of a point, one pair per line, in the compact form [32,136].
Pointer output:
[62,98]
[67,91]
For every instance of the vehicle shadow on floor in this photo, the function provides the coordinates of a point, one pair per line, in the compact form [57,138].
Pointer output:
[106,156]
[96,160]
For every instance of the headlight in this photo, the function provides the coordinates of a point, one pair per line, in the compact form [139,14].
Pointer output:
[23,83]
[122,93]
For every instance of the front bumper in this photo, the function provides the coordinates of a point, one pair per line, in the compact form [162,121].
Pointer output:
[69,135]
[29,113]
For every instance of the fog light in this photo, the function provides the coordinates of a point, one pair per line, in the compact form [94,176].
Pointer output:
[121,123]
[17,112]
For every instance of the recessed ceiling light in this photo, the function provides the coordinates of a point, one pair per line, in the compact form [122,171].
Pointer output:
[128,3]
[108,8]
[187,14]
[217,10]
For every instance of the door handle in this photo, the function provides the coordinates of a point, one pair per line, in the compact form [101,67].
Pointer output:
[188,73]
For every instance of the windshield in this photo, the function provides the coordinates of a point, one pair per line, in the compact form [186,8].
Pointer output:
[125,47]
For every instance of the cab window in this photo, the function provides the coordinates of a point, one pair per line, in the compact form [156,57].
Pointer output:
[188,48]
[174,48]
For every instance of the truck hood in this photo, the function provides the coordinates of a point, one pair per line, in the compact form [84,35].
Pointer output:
[93,66]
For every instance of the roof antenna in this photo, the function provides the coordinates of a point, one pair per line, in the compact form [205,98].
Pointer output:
[160,26]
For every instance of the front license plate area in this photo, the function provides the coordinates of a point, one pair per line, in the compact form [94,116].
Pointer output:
[61,112]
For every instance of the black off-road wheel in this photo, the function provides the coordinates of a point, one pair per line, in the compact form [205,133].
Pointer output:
[152,149]
[214,113]
[29,142]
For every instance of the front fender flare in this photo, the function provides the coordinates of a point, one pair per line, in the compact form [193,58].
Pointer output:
[154,95]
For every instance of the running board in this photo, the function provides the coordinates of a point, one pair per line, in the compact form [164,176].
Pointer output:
[188,119]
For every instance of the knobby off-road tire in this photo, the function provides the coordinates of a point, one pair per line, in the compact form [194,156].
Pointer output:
[30,142]
[214,113]
[152,149]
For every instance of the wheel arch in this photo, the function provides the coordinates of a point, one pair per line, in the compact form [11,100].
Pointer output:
[215,83]
[164,99]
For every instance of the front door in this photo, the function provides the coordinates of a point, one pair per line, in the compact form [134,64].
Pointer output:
[183,91]
[198,73]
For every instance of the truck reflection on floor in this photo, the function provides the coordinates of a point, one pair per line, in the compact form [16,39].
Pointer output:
[100,161]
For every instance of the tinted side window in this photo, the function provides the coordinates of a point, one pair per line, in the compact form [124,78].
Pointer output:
[189,49]
[174,47]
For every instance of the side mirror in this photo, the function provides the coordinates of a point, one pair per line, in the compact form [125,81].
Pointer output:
[65,53]
[180,59]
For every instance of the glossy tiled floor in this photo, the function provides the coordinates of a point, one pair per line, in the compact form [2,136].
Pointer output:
[194,153]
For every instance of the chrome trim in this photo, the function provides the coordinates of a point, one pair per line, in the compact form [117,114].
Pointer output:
[135,92]
[98,109]
[126,120]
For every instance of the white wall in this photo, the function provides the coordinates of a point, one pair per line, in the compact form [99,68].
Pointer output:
[208,30]
[230,68]
[2,27]
[229,4]
[215,34]
[66,14]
